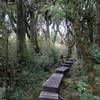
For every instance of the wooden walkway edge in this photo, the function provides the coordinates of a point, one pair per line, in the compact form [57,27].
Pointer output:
[52,85]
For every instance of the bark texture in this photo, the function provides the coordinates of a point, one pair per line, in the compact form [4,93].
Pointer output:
[97,39]
[20,31]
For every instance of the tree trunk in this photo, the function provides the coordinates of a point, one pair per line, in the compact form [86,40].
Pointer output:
[33,35]
[47,18]
[48,34]
[90,28]
[82,46]
[97,37]
[0,3]
[20,31]
[81,43]
[33,28]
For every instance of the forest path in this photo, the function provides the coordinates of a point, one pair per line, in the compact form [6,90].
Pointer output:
[51,87]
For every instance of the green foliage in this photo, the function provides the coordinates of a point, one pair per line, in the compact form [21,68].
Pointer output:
[57,12]
[95,54]
[84,78]
[36,93]
[97,67]
[82,90]
[2,15]
[35,70]
[97,78]
[2,90]
[17,94]
[12,48]
[87,96]
[81,86]
[37,67]
[69,8]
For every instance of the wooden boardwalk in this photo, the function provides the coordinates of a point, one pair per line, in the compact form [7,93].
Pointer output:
[45,95]
[52,85]
[62,70]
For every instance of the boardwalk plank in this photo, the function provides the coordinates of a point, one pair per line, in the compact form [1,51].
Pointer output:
[66,65]
[68,62]
[53,83]
[71,59]
[62,70]
[45,95]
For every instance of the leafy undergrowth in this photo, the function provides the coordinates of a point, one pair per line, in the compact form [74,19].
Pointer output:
[1,93]
[30,75]
[44,65]
[83,85]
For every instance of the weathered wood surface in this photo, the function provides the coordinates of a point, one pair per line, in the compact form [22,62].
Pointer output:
[68,62]
[62,70]
[51,86]
[66,65]
[53,83]
[71,59]
[45,95]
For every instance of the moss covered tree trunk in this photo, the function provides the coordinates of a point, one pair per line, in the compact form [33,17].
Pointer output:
[82,44]
[20,31]
[48,33]
[91,33]
[33,26]
[97,38]
[33,35]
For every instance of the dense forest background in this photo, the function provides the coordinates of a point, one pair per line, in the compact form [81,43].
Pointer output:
[36,35]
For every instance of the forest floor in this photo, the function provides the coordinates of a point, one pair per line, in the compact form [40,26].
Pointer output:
[33,93]
[78,86]
[75,85]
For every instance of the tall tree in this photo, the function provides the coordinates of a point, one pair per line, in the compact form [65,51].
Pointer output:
[33,23]
[20,31]
[97,39]
[48,22]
